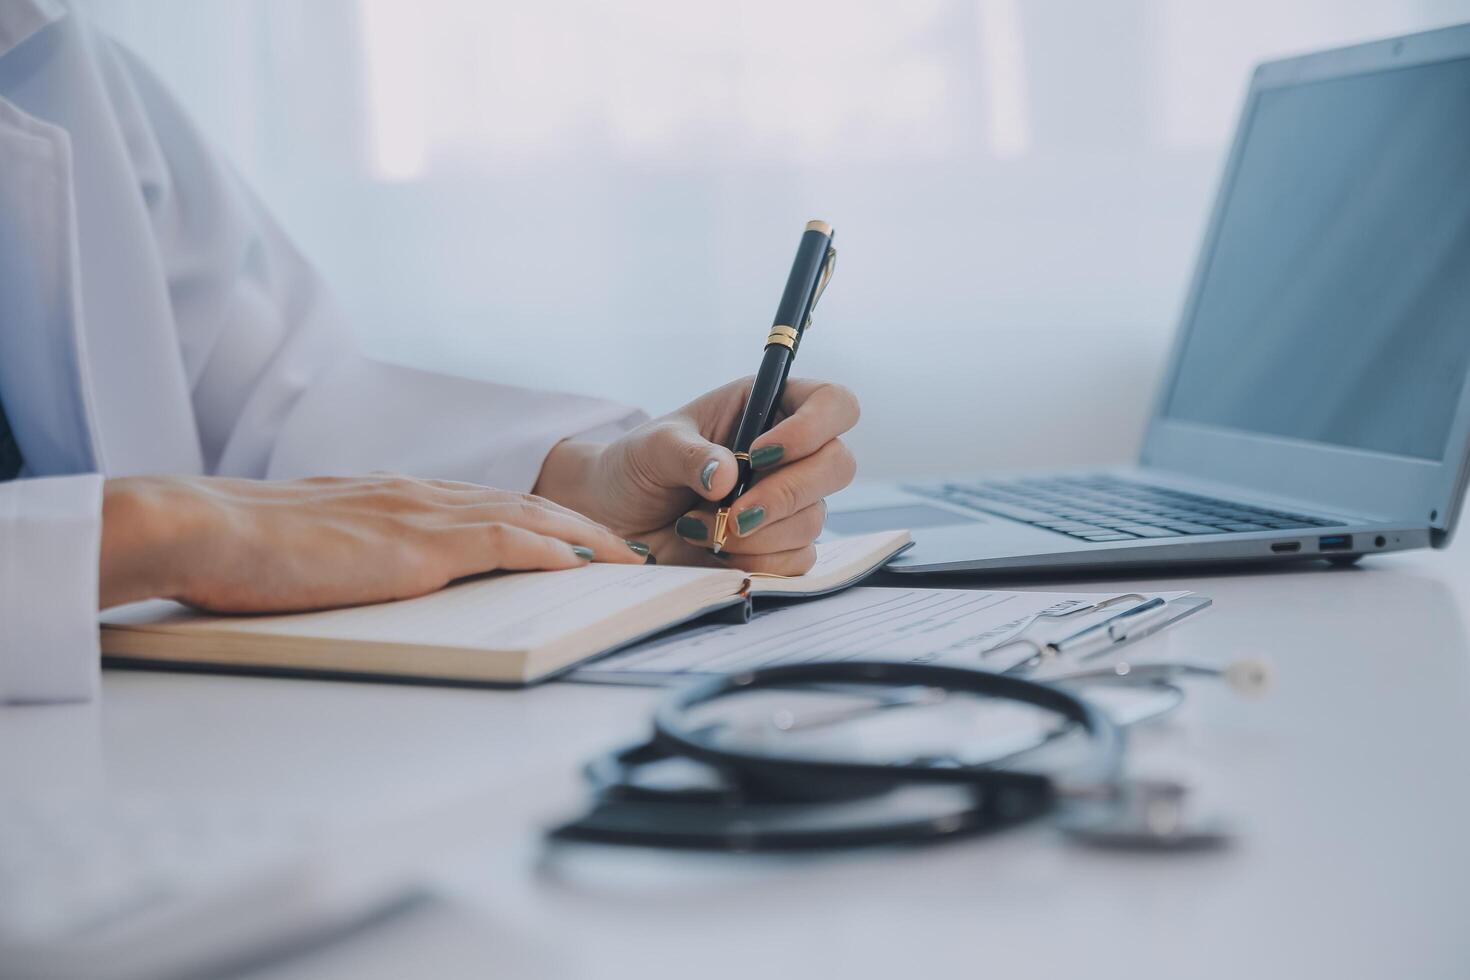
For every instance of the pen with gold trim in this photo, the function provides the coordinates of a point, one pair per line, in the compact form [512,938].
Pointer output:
[810,273]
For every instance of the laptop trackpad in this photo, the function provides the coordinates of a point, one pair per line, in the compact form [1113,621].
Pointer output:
[911,516]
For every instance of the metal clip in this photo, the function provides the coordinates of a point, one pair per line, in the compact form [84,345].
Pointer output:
[829,265]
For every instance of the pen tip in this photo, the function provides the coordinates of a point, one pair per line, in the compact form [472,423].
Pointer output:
[722,520]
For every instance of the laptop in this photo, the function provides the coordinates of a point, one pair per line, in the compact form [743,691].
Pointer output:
[1315,403]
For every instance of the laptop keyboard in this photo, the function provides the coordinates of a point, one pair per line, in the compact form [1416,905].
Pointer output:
[1107,508]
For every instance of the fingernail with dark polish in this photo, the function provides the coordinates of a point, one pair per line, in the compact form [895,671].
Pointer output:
[749,520]
[707,475]
[766,456]
[582,552]
[652,559]
[690,528]
[637,547]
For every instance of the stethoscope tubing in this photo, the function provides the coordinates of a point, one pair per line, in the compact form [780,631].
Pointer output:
[1103,765]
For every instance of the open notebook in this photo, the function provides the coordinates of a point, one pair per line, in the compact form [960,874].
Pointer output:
[498,629]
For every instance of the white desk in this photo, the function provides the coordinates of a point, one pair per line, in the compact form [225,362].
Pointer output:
[1351,782]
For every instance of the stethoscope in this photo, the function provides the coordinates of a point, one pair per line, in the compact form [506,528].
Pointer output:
[690,787]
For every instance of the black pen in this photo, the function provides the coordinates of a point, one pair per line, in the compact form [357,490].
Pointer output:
[810,272]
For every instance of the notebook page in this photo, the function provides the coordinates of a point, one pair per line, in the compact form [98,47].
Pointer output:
[839,561]
[948,626]
[522,611]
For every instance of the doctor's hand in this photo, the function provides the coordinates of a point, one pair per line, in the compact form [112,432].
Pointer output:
[660,483]
[256,546]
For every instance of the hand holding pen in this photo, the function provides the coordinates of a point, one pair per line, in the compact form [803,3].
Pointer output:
[659,484]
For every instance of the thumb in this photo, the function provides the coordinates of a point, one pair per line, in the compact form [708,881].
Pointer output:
[683,457]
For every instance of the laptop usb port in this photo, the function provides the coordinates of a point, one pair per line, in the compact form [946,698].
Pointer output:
[1335,542]
[1283,547]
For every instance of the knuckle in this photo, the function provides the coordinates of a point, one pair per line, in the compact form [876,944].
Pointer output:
[800,562]
[788,499]
[665,435]
[813,519]
[838,405]
[846,398]
[497,536]
[798,431]
[394,494]
[845,460]
[527,511]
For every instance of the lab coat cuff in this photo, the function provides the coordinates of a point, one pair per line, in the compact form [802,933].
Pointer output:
[50,539]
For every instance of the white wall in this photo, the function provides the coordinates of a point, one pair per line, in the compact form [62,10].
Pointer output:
[605,197]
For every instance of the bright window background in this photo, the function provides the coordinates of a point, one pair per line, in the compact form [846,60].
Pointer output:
[605,197]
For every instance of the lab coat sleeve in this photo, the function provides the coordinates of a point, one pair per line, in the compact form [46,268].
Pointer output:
[279,387]
[50,533]
[362,415]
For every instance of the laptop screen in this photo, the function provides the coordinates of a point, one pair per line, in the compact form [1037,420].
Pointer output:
[1335,304]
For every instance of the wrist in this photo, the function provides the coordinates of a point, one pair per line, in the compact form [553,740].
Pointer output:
[568,476]
[147,526]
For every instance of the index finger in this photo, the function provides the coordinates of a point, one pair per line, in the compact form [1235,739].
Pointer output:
[816,413]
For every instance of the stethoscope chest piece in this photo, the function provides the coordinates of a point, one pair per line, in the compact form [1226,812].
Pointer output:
[1142,815]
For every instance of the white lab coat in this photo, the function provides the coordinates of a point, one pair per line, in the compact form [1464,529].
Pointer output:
[154,319]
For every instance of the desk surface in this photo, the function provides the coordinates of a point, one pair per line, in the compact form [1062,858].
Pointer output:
[1350,783]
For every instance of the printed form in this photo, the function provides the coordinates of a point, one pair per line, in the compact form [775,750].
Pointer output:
[957,627]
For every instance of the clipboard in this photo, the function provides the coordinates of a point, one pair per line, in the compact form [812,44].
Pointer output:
[960,627]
